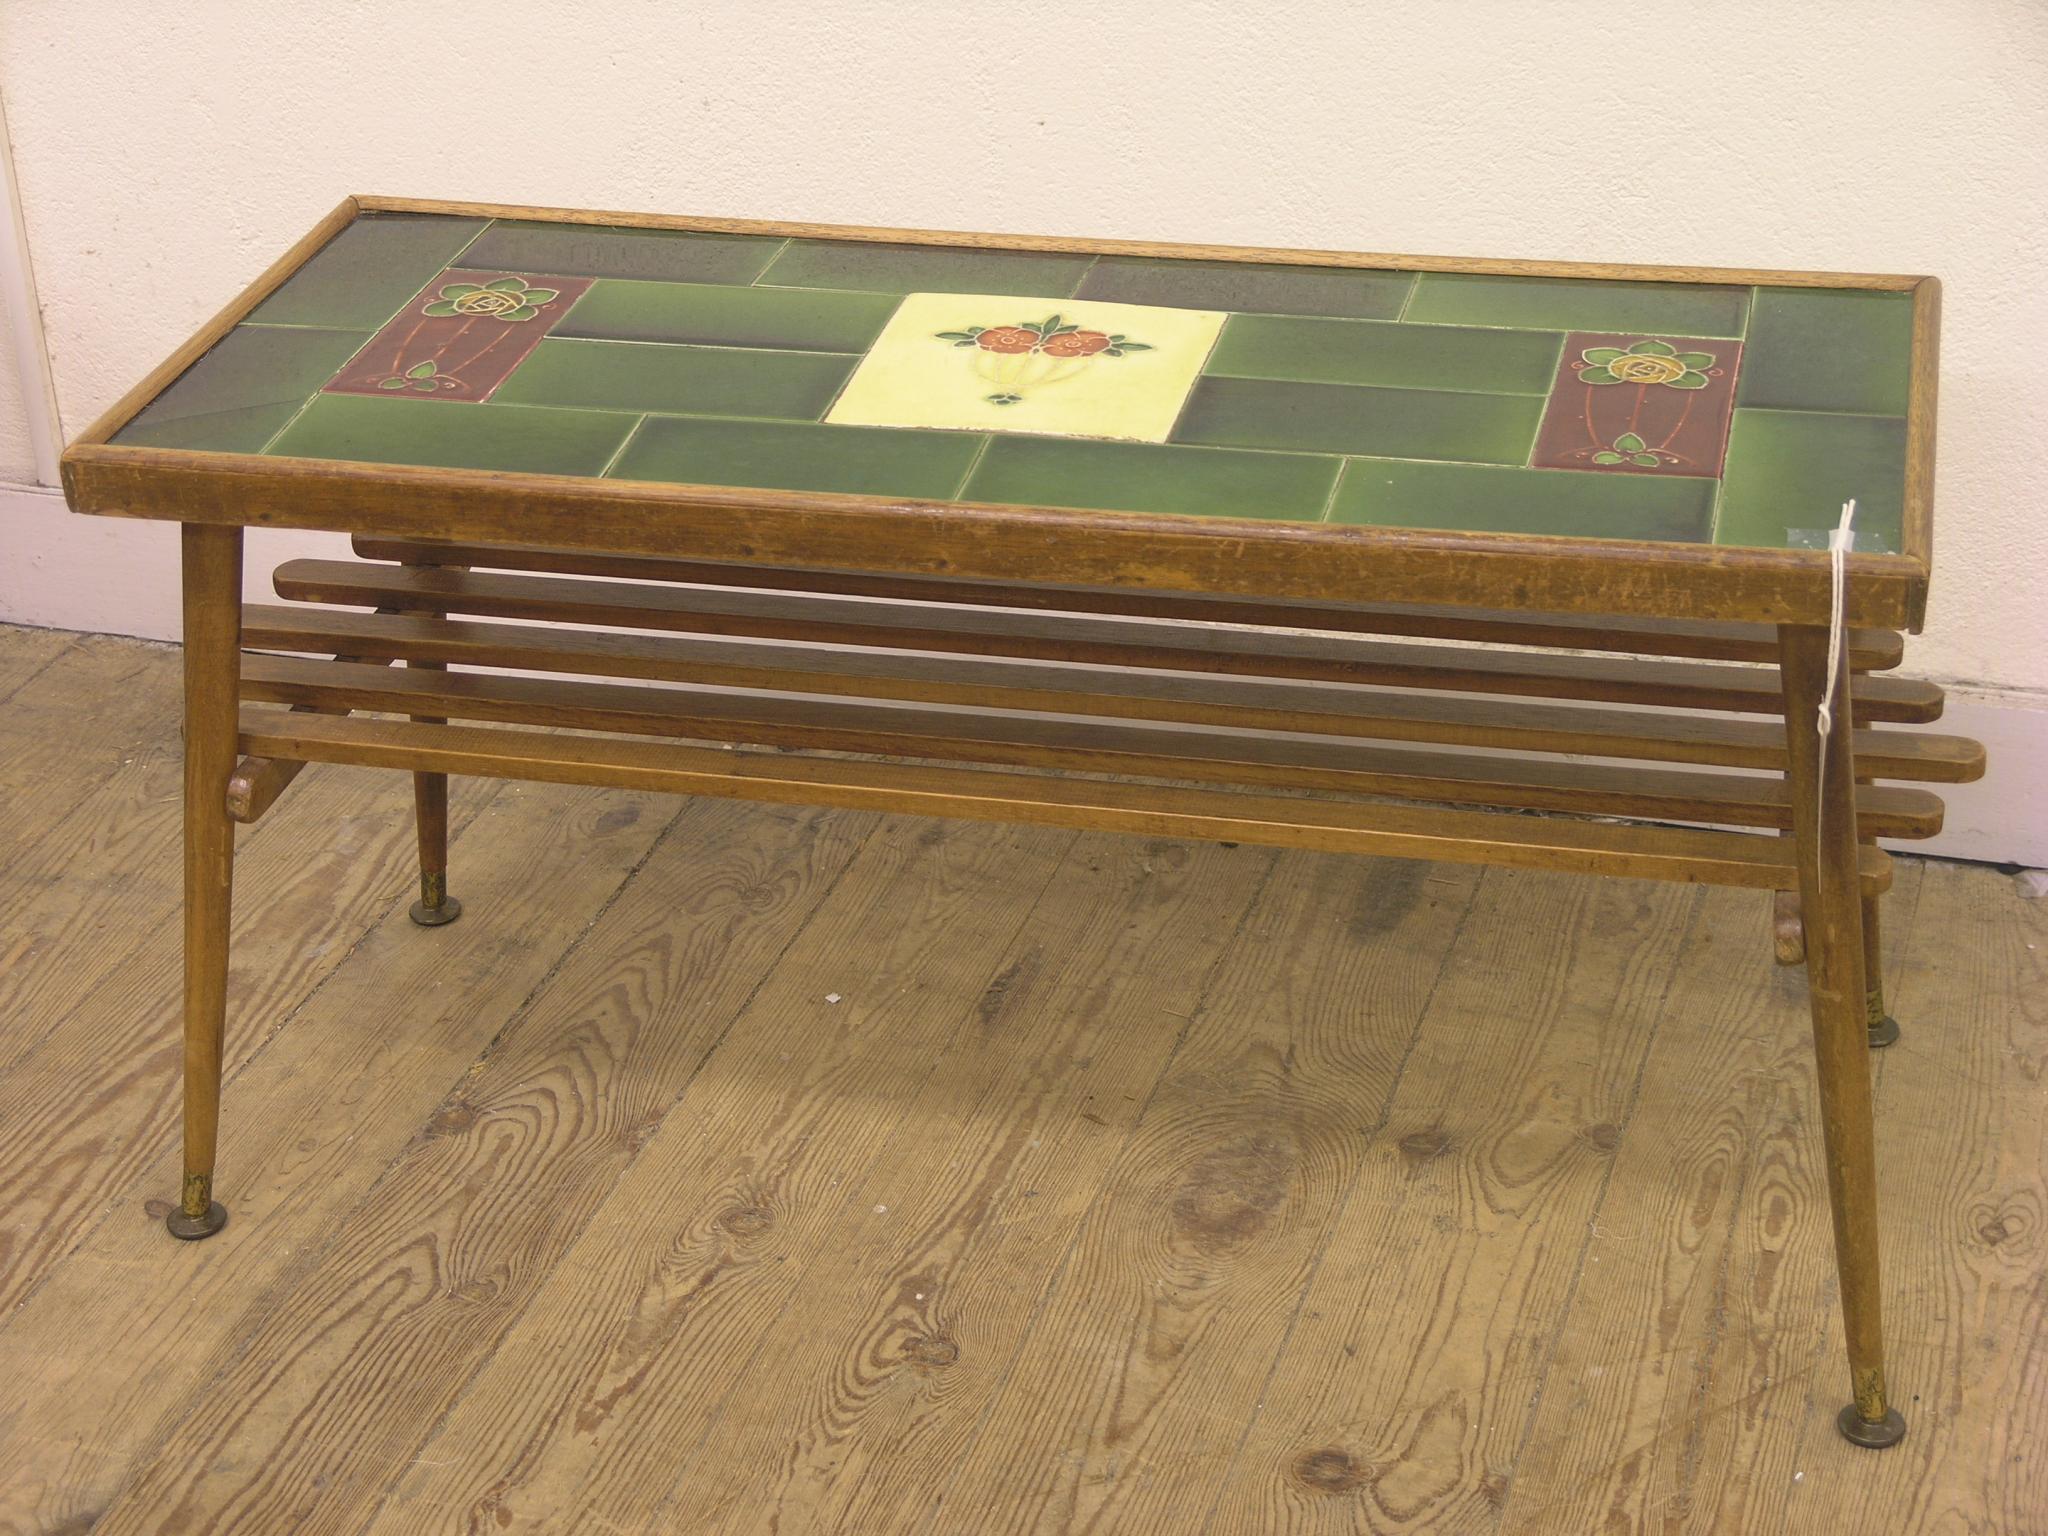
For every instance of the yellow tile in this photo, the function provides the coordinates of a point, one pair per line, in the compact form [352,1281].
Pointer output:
[982,363]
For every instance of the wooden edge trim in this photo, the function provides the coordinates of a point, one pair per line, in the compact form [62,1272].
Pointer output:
[1474,837]
[986,542]
[872,234]
[159,378]
[1921,405]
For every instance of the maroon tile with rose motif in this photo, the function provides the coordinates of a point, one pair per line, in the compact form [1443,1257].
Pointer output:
[1642,405]
[460,337]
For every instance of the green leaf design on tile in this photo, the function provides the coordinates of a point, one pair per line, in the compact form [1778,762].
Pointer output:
[394,382]
[1629,442]
[1646,362]
[1647,460]
[424,370]
[1605,457]
[505,298]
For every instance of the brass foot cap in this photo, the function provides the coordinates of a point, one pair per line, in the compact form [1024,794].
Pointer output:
[191,1229]
[1884,1032]
[435,917]
[1858,1430]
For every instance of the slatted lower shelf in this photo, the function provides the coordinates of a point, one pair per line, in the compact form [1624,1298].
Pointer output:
[1340,826]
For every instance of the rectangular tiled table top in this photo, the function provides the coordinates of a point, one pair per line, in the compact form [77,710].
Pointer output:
[1689,413]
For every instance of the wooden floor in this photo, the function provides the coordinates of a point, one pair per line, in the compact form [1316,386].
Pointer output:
[747,1169]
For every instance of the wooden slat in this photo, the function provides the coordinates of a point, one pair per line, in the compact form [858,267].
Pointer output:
[1202,754]
[1869,649]
[1117,641]
[983,682]
[1394,831]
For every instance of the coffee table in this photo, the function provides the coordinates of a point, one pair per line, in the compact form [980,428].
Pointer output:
[1504,562]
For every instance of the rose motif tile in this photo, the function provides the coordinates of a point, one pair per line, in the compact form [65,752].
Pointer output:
[1057,367]
[460,337]
[1633,404]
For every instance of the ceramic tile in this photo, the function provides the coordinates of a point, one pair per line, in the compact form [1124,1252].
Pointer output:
[596,250]
[365,274]
[881,268]
[713,315]
[1626,404]
[1824,349]
[858,461]
[699,381]
[1477,359]
[1792,470]
[460,337]
[377,429]
[1350,418]
[247,386]
[1134,477]
[1572,304]
[1392,493]
[996,363]
[1248,288]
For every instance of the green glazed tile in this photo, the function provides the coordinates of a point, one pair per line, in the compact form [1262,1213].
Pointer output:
[455,435]
[901,269]
[858,461]
[1247,288]
[1572,304]
[365,274]
[1350,418]
[1828,349]
[1148,477]
[1477,359]
[1792,470]
[244,389]
[1488,498]
[702,381]
[592,250]
[617,310]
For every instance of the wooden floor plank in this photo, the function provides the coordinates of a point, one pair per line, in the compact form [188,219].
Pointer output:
[451,1243]
[1963,1190]
[334,861]
[1053,1337]
[75,724]
[686,1269]
[981,1185]
[24,652]
[309,1125]
[1156,1334]
[1402,1397]
[1647,1383]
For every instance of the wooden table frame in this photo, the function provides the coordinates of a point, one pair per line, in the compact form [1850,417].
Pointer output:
[1135,720]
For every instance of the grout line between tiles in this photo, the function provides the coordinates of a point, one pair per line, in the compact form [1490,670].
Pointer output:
[960,491]
[625,442]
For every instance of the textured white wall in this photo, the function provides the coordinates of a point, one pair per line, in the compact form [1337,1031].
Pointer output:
[167,153]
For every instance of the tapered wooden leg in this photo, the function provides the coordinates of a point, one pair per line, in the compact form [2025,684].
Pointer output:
[213,662]
[430,807]
[1823,790]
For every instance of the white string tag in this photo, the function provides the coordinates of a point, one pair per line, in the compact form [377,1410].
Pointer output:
[1840,542]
